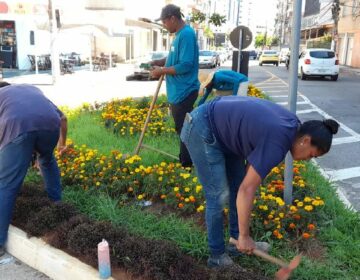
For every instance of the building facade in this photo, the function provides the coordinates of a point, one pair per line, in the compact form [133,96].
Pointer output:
[349,33]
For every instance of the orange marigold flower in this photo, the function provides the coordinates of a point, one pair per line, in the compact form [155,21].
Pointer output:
[297,217]
[178,195]
[311,227]
[306,235]
[180,205]
[163,196]
[292,226]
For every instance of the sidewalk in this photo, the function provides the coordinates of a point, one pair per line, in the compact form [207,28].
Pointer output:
[86,86]
[349,70]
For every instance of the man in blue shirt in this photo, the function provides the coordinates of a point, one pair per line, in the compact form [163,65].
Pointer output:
[28,122]
[181,70]
[226,82]
[234,142]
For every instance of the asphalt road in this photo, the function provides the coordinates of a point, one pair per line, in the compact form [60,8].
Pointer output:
[318,99]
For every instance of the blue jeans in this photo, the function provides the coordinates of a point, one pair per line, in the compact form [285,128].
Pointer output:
[219,172]
[15,160]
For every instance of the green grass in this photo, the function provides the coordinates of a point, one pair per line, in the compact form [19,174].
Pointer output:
[87,129]
[339,228]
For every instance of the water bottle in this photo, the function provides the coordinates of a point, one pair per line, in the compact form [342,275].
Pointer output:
[104,259]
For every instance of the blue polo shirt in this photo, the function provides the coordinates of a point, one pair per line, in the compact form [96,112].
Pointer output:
[24,108]
[184,57]
[257,130]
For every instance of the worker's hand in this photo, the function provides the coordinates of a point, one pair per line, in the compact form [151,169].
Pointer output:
[61,149]
[156,72]
[245,244]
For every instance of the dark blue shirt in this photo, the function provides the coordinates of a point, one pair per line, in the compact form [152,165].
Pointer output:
[24,108]
[184,57]
[257,130]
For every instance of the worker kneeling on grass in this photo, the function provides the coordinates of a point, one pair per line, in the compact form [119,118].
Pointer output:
[234,142]
[224,82]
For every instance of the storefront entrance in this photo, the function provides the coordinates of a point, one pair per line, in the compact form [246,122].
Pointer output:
[8,46]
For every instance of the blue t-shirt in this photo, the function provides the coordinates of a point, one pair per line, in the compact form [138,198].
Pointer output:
[228,80]
[257,130]
[184,57]
[24,108]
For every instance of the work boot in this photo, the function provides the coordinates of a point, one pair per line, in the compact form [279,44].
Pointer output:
[2,250]
[233,251]
[219,261]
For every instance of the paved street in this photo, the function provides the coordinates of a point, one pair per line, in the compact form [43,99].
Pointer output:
[322,98]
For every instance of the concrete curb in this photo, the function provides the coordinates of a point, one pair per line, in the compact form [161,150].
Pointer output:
[41,256]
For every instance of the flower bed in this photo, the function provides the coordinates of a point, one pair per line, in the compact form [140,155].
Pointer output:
[64,228]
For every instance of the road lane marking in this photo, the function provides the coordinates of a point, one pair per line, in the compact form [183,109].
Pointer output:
[345,140]
[298,103]
[343,174]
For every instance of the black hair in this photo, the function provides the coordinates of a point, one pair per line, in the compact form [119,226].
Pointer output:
[4,84]
[321,133]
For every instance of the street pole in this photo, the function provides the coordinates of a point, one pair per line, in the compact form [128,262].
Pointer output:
[335,9]
[294,59]
[240,47]
[55,63]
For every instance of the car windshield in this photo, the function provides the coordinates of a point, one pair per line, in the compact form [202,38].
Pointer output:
[270,53]
[205,53]
[322,54]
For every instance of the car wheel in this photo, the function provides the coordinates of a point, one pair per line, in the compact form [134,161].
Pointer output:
[303,76]
[334,77]
[131,78]
[260,64]
[277,64]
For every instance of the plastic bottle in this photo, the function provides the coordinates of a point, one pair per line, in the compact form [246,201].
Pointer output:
[104,259]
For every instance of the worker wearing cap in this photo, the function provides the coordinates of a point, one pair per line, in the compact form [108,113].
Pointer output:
[225,82]
[181,68]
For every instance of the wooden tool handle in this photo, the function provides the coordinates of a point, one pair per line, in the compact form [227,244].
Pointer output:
[269,258]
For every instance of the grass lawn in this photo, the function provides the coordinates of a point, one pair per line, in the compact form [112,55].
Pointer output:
[334,254]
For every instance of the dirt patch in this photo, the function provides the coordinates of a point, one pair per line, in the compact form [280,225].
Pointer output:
[62,227]
[313,249]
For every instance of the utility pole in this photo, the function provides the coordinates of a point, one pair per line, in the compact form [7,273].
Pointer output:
[238,13]
[55,63]
[294,60]
[335,10]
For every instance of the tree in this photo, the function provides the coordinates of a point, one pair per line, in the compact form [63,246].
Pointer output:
[259,40]
[217,19]
[197,17]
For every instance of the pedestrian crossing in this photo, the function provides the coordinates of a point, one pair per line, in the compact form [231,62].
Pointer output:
[278,91]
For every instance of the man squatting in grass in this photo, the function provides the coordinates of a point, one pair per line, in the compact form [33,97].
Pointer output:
[28,122]
[181,70]
[234,142]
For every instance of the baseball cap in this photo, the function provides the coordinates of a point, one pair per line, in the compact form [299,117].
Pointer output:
[168,11]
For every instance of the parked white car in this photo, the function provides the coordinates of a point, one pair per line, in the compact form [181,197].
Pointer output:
[318,62]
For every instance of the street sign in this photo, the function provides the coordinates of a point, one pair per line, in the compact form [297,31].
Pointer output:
[246,37]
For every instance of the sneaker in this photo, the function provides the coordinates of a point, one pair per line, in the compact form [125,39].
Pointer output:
[233,251]
[219,261]
[2,250]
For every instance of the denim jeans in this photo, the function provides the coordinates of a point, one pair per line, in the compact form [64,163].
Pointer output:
[220,174]
[178,112]
[15,160]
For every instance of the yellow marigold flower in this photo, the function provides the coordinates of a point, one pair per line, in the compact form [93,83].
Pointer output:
[281,215]
[160,179]
[198,188]
[163,164]
[226,210]
[293,208]
[300,204]
[185,175]
[187,189]
[265,208]
[279,201]
[308,208]
[321,202]
[98,183]
[187,199]
[315,202]
[176,189]
[200,208]
[140,197]
[307,199]
[195,179]
[137,170]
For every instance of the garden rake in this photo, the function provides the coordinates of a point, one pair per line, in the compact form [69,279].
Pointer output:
[147,120]
[286,268]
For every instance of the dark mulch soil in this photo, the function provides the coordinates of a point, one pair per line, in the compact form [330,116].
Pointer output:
[63,227]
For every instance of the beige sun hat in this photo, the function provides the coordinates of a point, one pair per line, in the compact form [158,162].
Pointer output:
[205,78]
